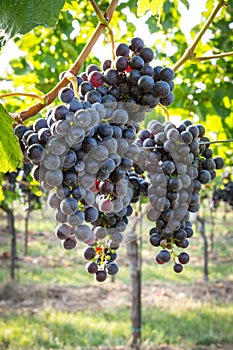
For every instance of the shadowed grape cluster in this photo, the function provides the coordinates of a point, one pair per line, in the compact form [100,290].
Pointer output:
[178,161]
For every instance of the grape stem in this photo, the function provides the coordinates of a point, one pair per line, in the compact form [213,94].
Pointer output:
[72,78]
[9,94]
[50,96]
[220,55]
[103,20]
[189,53]
[165,110]
[99,13]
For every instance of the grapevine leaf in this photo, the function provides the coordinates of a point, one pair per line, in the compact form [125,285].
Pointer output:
[155,6]
[186,3]
[10,152]
[19,17]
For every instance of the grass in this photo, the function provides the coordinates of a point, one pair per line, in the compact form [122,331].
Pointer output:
[51,329]
[185,322]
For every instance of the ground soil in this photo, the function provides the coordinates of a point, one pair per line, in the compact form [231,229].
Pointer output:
[15,296]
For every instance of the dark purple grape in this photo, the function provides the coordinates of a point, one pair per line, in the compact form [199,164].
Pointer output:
[147,54]
[91,214]
[92,68]
[112,268]
[183,258]
[144,134]
[161,89]
[59,112]
[93,96]
[111,76]
[69,243]
[136,62]
[44,135]
[107,64]
[187,137]
[54,201]
[39,124]
[193,129]
[157,71]
[102,89]
[146,83]
[201,129]
[36,153]
[136,44]
[122,50]
[101,276]
[219,162]
[91,267]
[121,63]
[164,256]
[155,239]
[66,94]
[204,176]
[166,74]
[63,231]
[178,268]
[88,253]
[147,70]
[133,77]
[32,139]
[166,101]
[70,178]
[69,205]
[20,130]
[106,187]
[85,87]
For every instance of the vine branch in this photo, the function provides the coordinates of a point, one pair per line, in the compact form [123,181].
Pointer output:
[9,94]
[50,96]
[220,55]
[189,53]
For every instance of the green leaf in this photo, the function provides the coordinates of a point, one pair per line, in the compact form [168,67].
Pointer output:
[155,6]
[186,3]
[10,152]
[19,17]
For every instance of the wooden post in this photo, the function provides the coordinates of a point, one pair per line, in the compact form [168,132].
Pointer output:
[206,256]
[212,229]
[11,226]
[135,274]
[29,209]
[134,247]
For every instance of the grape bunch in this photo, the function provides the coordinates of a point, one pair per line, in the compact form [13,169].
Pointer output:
[130,78]
[224,194]
[85,158]
[87,155]
[179,161]
[18,182]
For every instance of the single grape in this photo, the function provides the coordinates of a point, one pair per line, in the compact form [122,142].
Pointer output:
[88,253]
[178,268]
[112,268]
[91,267]
[183,258]
[100,276]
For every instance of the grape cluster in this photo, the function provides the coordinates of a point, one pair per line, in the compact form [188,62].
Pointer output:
[179,161]
[87,155]
[224,194]
[85,158]
[130,78]
[18,183]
